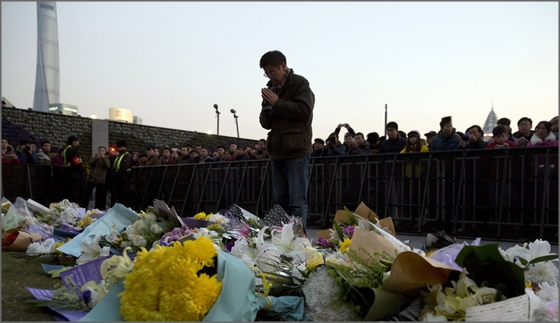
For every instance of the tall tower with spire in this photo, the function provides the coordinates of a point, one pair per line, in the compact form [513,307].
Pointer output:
[490,122]
[47,78]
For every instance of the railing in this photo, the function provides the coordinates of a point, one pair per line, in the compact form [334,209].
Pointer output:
[489,193]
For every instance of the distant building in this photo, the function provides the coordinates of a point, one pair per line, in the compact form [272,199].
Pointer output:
[66,109]
[137,120]
[120,114]
[47,78]
[8,103]
[489,124]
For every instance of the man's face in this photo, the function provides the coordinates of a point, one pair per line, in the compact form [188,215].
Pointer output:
[429,139]
[4,144]
[203,152]
[360,139]
[318,146]
[524,127]
[392,133]
[101,151]
[156,152]
[474,135]
[275,73]
[143,160]
[76,143]
[500,139]
[447,129]
[185,151]
[232,148]
[150,152]
[240,151]
[221,151]
[46,147]
[260,145]
[166,153]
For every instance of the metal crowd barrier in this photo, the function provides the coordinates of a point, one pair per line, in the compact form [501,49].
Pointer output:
[494,194]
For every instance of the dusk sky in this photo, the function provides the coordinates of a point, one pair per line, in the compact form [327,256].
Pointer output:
[170,62]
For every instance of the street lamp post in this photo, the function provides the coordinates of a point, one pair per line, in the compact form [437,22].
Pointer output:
[218,117]
[236,124]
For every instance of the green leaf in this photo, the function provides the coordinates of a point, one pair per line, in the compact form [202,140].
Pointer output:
[544,258]
[472,256]
[338,231]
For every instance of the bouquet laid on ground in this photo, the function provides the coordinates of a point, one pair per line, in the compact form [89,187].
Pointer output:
[233,265]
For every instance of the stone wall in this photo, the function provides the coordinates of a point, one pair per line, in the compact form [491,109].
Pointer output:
[20,124]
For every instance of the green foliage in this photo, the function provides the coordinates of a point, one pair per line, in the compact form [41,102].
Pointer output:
[485,265]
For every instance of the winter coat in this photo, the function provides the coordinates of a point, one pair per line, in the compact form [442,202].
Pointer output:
[290,120]
[99,167]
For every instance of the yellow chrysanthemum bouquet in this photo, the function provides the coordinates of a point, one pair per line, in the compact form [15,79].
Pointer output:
[175,283]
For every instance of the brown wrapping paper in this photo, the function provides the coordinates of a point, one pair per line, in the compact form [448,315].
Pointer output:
[23,240]
[411,272]
[366,213]
[367,242]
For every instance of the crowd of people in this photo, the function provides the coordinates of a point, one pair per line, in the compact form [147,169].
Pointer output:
[446,139]
[108,166]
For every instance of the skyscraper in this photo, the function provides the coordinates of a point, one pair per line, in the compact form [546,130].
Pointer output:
[47,79]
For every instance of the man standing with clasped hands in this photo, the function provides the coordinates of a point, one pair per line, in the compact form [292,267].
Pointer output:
[287,111]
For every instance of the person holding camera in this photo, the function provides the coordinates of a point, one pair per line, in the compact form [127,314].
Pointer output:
[287,111]
[25,154]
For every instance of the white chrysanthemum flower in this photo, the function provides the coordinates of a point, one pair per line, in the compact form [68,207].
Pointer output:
[140,224]
[218,218]
[149,218]
[37,248]
[139,241]
[155,228]
[69,215]
[542,272]
[321,291]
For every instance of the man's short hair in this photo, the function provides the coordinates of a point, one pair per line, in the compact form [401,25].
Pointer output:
[319,140]
[505,121]
[263,140]
[221,146]
[45,142]
[359,133]
[477,127]
[372,136]
[120,143]
[273,58]
[393,125]
[166,148]
[143,155]
[444,121]
[102,147]
[525,119]
[499,130]
[24,142]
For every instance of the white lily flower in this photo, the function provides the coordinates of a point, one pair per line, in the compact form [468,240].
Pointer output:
[69,215]
[92,251]
[548,292]
[539,248]
[286,241]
